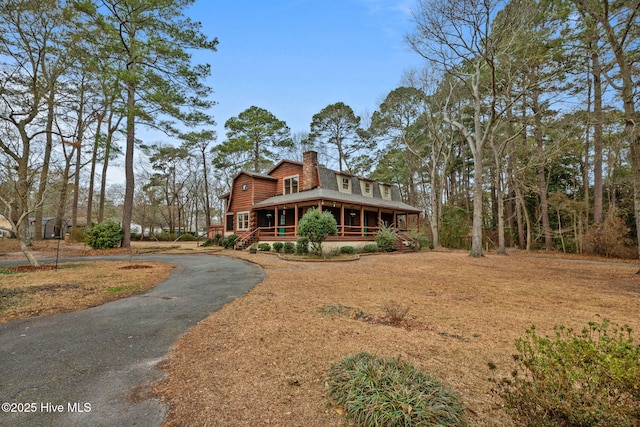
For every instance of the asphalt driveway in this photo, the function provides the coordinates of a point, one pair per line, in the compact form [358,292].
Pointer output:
[94,367]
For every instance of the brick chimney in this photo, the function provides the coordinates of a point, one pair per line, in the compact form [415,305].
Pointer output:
[309,170]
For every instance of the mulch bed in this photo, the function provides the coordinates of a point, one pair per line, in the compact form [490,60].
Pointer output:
[23,268]
[135,267]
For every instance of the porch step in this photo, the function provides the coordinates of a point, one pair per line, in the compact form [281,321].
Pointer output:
[247,239]
[405,243]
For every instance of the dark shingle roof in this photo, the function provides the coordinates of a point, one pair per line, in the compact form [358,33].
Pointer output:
[328,190]
[256,175]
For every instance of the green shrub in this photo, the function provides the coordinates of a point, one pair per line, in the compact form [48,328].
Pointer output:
[454,232]
[212,242]
[166,237]
[316,226]
[370,247]
[105,235]
[375,391]
[386,238]
[229,241]
[277,246]
[187,237]
[264,247]
[302,246]
[347,250]
[591,378]
[289,247]
[421,239]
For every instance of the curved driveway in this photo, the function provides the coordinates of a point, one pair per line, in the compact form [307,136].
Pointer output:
[94,367]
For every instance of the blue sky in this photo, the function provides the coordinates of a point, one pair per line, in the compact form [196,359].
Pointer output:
[295,57]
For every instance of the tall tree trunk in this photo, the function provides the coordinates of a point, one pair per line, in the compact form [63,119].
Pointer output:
[94,160]
[78,166]
[586,167]
[44,172]
[434,196]
[127,208]
[62,200]
[27,253]
[522,238]
[476,237]
[499,200]
[597,136]
[111,130]
[207,196]
[542,181]
[21,227]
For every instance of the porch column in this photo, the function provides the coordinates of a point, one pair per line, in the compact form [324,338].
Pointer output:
[342,219]
[295,220]
[379,218]
[320,205]
[275,222]
[362,221]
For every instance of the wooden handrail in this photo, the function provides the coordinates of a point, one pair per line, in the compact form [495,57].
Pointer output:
[246,236]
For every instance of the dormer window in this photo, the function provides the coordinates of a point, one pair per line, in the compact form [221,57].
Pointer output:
[385,190]
[344,183]
[366,188]
[290,185]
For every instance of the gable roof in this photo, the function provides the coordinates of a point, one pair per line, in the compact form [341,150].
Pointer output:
[255,175]
[277,165]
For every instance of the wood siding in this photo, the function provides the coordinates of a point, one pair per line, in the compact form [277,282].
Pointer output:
[241,200]
[285,170]
[263,189]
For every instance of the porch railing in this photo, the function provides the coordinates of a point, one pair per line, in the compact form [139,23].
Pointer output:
[247,239]
[291,231]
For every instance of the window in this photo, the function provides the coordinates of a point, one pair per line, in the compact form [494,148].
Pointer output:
[344,183]
[243,220]
[385,190]
[290,185]
[366,188]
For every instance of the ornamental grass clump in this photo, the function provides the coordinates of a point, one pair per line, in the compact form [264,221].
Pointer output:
[590,378]
[377,391]
[386,238]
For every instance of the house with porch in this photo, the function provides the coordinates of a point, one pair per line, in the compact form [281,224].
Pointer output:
[267,207]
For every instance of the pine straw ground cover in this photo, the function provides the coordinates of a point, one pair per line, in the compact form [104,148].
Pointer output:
[264,359]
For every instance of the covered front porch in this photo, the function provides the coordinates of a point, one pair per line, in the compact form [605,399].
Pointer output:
[355,222]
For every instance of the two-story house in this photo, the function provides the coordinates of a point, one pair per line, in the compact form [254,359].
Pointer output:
[267,207]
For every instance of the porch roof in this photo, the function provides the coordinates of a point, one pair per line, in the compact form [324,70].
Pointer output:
[333,195]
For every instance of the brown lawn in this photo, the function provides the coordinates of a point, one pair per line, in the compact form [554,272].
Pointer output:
[74,286]
[27,292]
[263,359]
